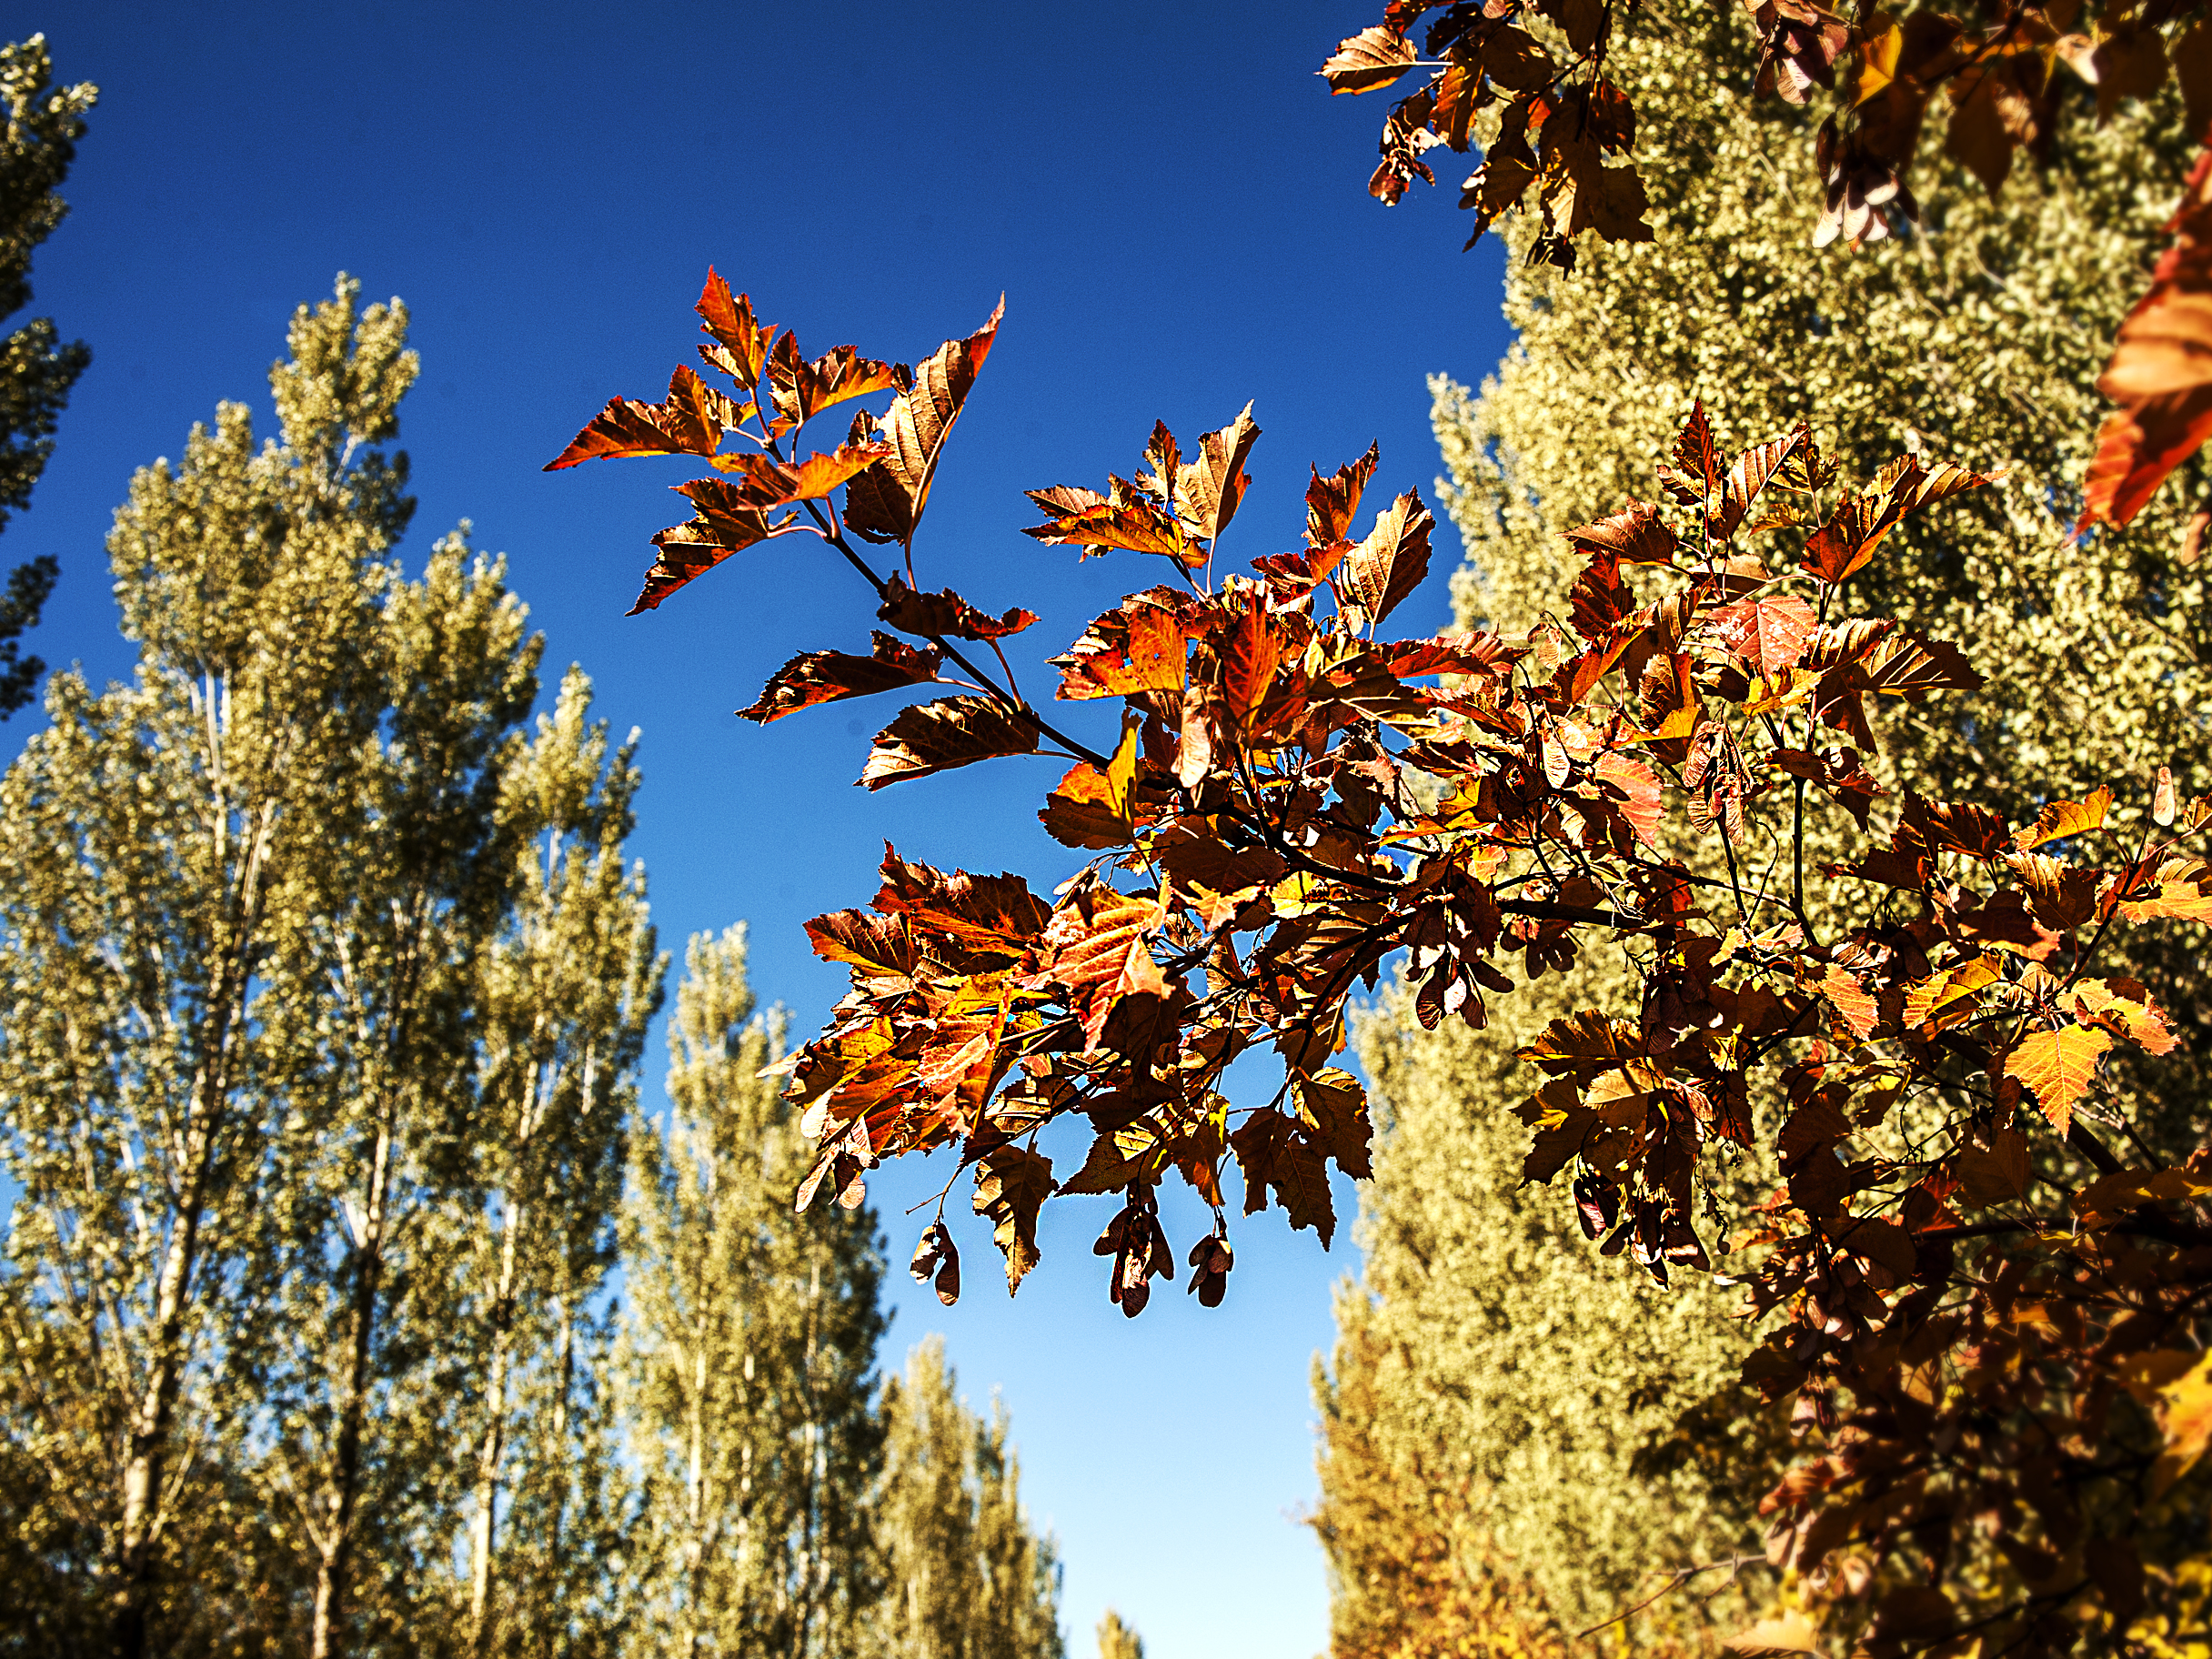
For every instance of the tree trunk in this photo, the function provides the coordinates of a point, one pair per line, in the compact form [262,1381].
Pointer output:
[342,1486]
[493,1447]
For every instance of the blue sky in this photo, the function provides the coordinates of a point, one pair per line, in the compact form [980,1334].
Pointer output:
[1174,211]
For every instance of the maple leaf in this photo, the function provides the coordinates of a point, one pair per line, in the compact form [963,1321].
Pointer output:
[1250,652]
[763,481]
[1208,487]
[886,502]
[740,344]
[827,676]
[1140,647]
[1847,540]
[880,946]
[1750,474]
[1371,58]
[1331,502]
[1391,561]
[1093,807]
[800,390]
[2061,818]
[1099,946]
[2057,1066]
[1084,518]
[691,422]
[1275,1152]
[689,551]
[2160,374]
[1636,536]
[951,732]
[1012,1185]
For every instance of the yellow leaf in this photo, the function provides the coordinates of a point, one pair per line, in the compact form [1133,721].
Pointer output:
[2186,1414]
[2060,818]
[2057,1066]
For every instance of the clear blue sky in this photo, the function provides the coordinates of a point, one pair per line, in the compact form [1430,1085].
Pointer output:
[1175,211]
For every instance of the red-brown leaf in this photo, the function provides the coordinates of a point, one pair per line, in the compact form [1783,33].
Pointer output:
[1371,58]
[944,615]
[2160,375]
[1012,1185]
[691,549]
[1391,563]
[691,422]
[886,501]
[1635,536]
[937,736]
[828,677]
[1101,945]
[743,342]
[1331,502]
[1768,632]
[1209,486]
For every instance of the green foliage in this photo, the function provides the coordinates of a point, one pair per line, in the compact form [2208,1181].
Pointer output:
[965,1575]
[36,371]
[747,1353]
[1117,1640]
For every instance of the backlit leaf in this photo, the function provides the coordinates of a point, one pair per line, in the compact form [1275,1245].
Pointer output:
[1371,58]
[742,341]
[2060,818]
[937,736]
[1391,561]
[1012,1185]
[1209,486]
[691,422]
[886,501]
[944,615]
[2058,1067]
[1769,632]
[690,550]
[1636,536]
[827,676]
[1331,502]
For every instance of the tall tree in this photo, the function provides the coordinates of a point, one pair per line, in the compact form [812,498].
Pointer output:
[749,1338]
[562,999]
[966,1576]
[156,848]
[1481,1317]
[1118,1640]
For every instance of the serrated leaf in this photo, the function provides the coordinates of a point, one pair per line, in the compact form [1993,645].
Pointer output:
[1769,632]
[952,731]
[1012,1185]
[1371,58]
[1332,502]
[2061,818]
[730,321]
[1635,536]
[1099,946]
[944,615]
[1087,519]
[1274,1153]
[886,502]
[1749,476]
[689,551]
[828,677]
[763,481]
[2057,1068]
[1391,561]
[1208,487]
[691,422]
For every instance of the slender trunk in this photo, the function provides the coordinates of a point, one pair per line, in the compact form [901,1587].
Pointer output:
[493,1447]
[809,1502]
[695,1492]
[556,1522]
[153,1415]
[342,1486]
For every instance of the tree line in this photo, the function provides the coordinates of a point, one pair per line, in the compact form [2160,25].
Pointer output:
[352,1302]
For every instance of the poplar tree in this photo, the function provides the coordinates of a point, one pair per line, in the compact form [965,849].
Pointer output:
[158,845]
[36,371]
[749,1352]
[1516,1429]
[966,1576]
[562,998]
[1117,1640]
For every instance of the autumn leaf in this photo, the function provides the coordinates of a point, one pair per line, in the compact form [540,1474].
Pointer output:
[1210,486]
[691,422]
[2061,818]
[827,676]
[740,344]
[689,551]
[2058,1067]
[1084,518]
[1636,536]
[799,389]
[937,1258]
[1331,502]
[1093,808]
[1275,1154]
[944,615]
[1136,649]
[1749,476]
[1371,58]
[1769,632]
[1250,652]
[952,731]
[1098,945]
[1012,1185]
[886,502]
[1391,561]
[1847,540]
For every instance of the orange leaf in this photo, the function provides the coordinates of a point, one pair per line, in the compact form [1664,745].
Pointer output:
[1208,487]
[2160,374]
[2057,1066]
[1331,502]
[1769,632]
[886,501]
[1391,563]
[1012,1185]
[743,343]
[693,549]
[944,615]
[2060,818]
[1101,946]
[691,422]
